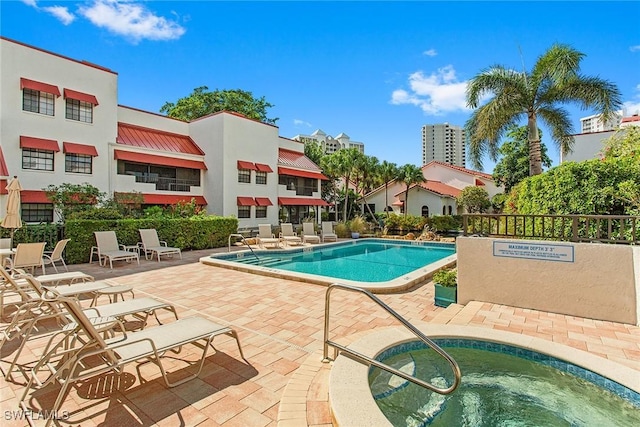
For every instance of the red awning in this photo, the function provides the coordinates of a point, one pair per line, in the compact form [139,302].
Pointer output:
[478,182]
[303,174]
[34,196]
[158,160]
[72,148]
[246,201]
[300,201]
[79,96]
[263,201]
[39,86]
[4,170]
[246,165]
[39,143]
[3,186]
[171,199]
[263,168]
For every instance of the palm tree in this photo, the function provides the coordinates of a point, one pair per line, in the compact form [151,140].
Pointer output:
[410,174]
[367,177]
[553,81]
[331,169]
[388,172]
[345,161]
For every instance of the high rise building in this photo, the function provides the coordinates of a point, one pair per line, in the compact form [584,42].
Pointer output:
[328,143]
[443,143]
[595,123]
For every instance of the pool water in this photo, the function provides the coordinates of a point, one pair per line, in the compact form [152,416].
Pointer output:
[500,389]
[366,261]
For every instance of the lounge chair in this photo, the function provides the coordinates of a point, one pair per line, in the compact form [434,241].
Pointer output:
[151,245]
[288,236]
[109,249]
[111,354]
[28,256]
[266,237]
[309,234]
[51,257]
[327,232]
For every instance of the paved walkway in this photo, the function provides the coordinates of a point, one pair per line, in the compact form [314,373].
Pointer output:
[280,324]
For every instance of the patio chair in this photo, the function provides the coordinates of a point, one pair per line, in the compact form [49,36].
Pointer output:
[309,233]
[288,236]
[109,249]
[327,232]
[266,237]
[51,257]
[28,257]
[94,355]
[151,245]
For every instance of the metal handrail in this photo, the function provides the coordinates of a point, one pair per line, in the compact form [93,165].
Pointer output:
[359,357]
[243,241]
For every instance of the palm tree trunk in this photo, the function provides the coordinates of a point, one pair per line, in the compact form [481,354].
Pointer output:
[535,155]
[406,201]
[386,198]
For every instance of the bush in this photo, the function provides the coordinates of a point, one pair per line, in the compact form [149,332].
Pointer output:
[446,278]
[357,225]
[341,230]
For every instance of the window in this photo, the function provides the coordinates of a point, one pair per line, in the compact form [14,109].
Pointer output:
[425,211]
[444,210]
[78,163]
[450,210]
[261,177]
[261,211]
[244,211]
[79,110]
[37,159]
[244,175]
[37,212]
[38,102]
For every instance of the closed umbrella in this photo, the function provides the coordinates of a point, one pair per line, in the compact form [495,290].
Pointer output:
[12,219]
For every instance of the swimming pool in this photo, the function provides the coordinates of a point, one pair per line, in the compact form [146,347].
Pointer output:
[373,264]
[501,385]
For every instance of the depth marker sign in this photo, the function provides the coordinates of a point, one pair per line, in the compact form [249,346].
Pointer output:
[539,251]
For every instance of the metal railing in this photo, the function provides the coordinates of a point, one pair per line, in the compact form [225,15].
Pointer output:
[619,229]
[243,241]
[359,357]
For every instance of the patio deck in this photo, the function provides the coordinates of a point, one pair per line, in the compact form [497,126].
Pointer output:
[280,326]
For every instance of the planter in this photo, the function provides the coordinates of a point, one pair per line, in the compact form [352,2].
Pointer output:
[355,235]
[445,295]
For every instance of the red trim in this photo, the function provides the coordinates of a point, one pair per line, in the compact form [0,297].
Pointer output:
[478,182]
[4,171]
[3,186]
[299,201]
[263,168]
[246,201]
[303,174]
[39,143]
[246,165]
[34,196]
[139,136]
[39,86]
[263,201]
[72,148]
[79,96]
[171,199]
[158,160]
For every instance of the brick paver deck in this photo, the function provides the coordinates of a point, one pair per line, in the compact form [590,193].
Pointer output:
[280,324]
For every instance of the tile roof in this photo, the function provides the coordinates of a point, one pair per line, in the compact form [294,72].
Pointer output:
[436,187]
[138,136]
[461,169]
[296,159]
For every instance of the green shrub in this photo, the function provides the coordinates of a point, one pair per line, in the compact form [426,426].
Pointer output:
[446,278]
[341,230]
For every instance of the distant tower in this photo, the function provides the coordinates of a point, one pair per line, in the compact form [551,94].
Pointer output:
[443,143]
[328,143]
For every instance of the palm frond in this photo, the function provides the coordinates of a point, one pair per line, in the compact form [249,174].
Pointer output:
[557,119]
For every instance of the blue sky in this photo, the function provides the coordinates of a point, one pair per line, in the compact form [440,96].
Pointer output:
[377,71]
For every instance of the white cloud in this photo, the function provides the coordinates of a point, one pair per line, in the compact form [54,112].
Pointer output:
[131,20]
[635,48]
[298,122]
[631,108]
[436,94]
[430,52]
[31,3]
[62,13]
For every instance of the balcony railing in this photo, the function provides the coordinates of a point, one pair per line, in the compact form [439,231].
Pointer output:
[621,229]
[166,184]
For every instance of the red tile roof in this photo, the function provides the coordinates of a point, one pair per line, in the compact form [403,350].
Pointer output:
[296,159]
[436,187]
[461,169]
[138,136]
[630,119]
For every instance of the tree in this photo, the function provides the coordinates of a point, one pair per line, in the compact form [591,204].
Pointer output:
[366,171]
[554,80]
[474,199]
[624,146]
[410,174]
[345,160]
[313,150]
[72,198]
[513,166]
[388,172]
[201,103]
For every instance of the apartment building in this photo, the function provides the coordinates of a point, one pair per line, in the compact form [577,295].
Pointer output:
[61,123]
[328,143]
[595,123]
[443,143]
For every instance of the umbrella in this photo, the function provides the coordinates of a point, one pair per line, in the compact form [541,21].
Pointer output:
[12,219]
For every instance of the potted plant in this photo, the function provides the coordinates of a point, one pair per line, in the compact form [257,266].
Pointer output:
[357,226]
[446,286]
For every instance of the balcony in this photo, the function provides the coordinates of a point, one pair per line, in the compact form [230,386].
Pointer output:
[165,184]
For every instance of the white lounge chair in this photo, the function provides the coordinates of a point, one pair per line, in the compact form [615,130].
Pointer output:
[309,234]
[151,245]
[109,249]
[51,257]
[288,236]
[327,232]
[266,237]
[28,256]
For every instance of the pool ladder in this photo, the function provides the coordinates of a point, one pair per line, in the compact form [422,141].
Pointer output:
[243,241]
[359,357]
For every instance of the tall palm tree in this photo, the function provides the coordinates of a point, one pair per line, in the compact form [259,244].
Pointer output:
[410,174]
[367,178]
[388,172]
[331,169]
[345,160]
[554,80]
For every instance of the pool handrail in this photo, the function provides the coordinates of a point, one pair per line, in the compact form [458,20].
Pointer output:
[359,357]
[243,241]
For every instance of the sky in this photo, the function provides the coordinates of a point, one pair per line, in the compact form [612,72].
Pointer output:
[376,71]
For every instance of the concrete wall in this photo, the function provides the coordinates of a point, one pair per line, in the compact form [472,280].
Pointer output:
[591,280]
